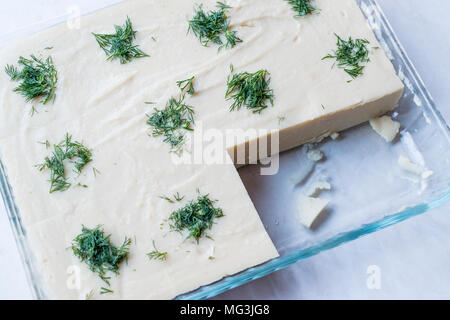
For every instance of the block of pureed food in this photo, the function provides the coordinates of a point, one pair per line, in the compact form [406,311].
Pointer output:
[124,184]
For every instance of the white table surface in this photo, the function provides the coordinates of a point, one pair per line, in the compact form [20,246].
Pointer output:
[412,259]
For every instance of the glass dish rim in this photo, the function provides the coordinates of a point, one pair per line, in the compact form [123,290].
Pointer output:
[207,291]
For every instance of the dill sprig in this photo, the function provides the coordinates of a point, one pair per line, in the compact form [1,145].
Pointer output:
[104,290]
[302,7]
[195,217]
[33,111]
[120,44]
[39,78]
[171,121]
[187,86]
[73,151]
[156,254]
[178,197]
[167,199]
[213,26]
[350,55]
[94,248]
[250,90]
[46,143]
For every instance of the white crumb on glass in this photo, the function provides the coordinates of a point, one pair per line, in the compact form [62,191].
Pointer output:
[316,187]
[310,209]
[417,101]
[315,155]
[426,174]
[407,165]
[334,135]
[385,127]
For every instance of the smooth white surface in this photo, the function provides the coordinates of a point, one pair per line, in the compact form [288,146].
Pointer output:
[413,258]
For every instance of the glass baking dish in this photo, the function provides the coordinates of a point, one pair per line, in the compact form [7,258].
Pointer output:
[369,189]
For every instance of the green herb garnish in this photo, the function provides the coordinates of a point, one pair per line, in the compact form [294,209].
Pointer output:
[89,295]
[187,86]
[213,26]
[195,217]
[178,197]
[167,199]
[94,248]
[95,171]
[39,78]
[46,143]
[250,90]
[73,151]
[170,122]
[120,44]
[302,7]
[157,255]
[104,290]
[350,55]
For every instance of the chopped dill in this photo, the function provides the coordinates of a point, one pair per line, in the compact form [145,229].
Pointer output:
[281,119]
[302,7]
[171,121]
[94,248]
[95,171]
[157,255]
[33,111]
[46,143]
[350,55]
[48,48]
[213,26]
[231,39]
[187,86]
[89,295]
[195,217]
[211,258]
[39,78]
[73,151]
[167,199]
[250,90]
[105,290]
[176,196]
[120,44]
